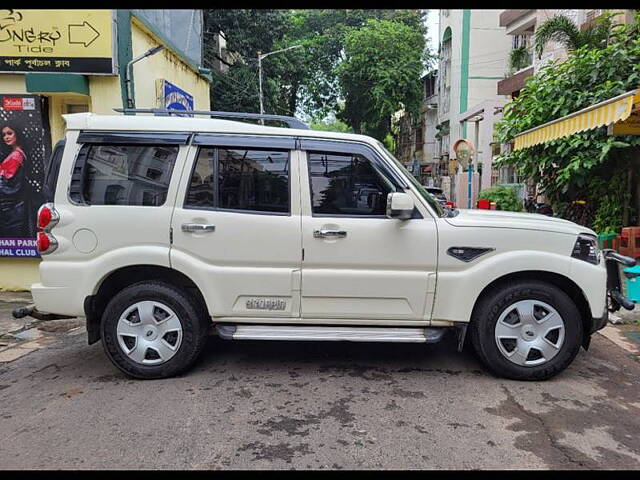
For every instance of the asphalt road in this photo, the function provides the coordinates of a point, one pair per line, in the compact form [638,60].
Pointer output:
[317,405]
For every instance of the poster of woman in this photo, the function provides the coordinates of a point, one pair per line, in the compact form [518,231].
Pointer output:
[24,145]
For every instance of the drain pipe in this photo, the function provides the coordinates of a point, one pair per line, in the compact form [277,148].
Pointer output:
[128,73]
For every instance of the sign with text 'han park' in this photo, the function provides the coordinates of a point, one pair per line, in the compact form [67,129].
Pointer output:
[63,41]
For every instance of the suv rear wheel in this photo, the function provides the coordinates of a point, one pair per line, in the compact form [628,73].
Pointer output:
[153,330]
[528,330]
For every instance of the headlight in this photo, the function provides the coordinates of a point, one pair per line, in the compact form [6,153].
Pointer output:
[586,248]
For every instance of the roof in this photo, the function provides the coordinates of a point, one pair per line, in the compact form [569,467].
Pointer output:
[92,121]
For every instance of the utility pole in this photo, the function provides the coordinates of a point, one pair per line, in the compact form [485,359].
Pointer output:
[477,119]
[260,82]
[260,57]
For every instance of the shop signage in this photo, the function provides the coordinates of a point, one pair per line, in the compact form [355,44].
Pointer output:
[65,41]
[173,97]
[25,143]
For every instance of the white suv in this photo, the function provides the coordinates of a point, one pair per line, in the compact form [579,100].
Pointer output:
[162,228]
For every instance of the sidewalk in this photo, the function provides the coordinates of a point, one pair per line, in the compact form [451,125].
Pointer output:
[21,336]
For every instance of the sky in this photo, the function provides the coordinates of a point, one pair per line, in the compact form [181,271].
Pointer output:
[432,30]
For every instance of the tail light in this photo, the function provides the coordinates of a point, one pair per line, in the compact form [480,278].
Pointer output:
[48,218]
[47,243]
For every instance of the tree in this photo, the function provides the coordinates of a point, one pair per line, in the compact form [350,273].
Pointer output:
[589,165]
[563,30]
[309,77]
[380,74]
[247,31]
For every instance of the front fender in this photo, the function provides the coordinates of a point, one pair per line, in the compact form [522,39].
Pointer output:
[457,290]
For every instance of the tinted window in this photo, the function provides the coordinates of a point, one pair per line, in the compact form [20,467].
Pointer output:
[127,174]
[52,172]
[346,184]
[240,179]
[253,180]
[200,192]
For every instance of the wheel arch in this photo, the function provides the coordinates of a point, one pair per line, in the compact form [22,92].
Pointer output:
[123,277]
[564,283]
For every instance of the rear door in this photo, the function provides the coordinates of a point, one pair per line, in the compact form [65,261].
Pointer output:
[236,225]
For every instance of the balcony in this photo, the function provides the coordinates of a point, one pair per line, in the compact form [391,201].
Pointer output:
[509,16]
[518,21]
[515,82]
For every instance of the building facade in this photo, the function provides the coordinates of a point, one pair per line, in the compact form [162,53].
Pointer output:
[472,60]
[57,70]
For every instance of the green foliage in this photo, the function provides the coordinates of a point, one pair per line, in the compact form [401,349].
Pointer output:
[331,126]
[563,30]
[307,79]
[519,59]
[381,74]
[505,198]
[247,31]
[389,143]
[570,168]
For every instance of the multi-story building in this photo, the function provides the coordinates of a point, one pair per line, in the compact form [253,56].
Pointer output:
[472,59]
[416,140]
[68,61]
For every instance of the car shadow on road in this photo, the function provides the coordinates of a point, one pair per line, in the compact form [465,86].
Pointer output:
[442,356]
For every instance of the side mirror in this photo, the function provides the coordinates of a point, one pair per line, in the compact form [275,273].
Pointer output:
[400,205]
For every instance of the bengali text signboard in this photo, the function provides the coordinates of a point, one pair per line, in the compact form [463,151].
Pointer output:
[64,41]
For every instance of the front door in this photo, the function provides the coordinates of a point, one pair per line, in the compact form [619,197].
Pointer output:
[358,264]
[236,226]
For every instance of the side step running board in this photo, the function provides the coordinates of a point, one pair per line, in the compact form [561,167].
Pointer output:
[330,333]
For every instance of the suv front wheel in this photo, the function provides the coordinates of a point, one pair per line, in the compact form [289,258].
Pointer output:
[528,330]
[153,330]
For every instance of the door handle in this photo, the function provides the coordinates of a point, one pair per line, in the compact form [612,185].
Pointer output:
[197,227]
[329,234]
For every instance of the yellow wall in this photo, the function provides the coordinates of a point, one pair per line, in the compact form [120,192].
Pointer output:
[57,107]
[18,273]
[105,94]
[164,64]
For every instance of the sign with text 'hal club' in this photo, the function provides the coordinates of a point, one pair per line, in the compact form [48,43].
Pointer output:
[64,41]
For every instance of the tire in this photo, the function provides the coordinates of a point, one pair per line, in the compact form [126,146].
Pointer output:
[154,330]
[513,344]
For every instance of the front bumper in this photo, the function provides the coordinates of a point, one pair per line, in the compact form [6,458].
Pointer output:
[615,299]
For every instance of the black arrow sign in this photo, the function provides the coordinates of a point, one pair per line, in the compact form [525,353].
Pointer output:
[83,34]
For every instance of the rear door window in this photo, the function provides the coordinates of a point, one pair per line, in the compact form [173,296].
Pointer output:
[240,179]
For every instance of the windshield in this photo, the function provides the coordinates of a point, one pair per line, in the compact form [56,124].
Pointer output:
[421,190]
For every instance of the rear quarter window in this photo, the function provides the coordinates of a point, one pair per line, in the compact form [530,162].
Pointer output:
[53,169]
[135,175]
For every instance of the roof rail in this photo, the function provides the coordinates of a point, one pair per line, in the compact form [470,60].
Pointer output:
[291,121]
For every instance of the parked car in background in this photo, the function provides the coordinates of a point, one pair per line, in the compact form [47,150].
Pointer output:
[439,195]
